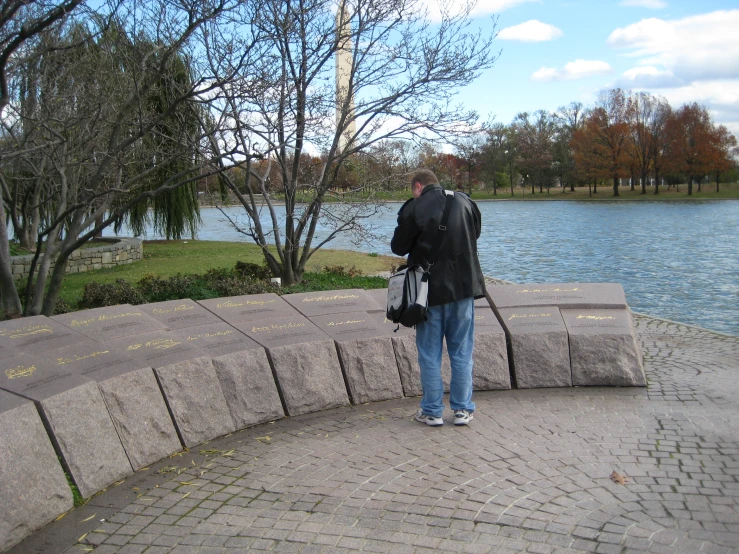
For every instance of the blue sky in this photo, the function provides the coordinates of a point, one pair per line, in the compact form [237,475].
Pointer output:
[555,52]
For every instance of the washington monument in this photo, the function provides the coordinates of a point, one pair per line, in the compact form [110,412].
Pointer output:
[344,62]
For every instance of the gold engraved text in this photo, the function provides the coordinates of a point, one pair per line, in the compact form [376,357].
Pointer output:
[518,316]
[180,308]
[274,327]
[345,322]
[595,317]
[20,371]
[86,322]
[325,298]
[575,289]
[25,331]
[229,304]
[77,357]
[209,335]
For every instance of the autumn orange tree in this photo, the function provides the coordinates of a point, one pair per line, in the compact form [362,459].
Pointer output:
[689,133]
[723,151]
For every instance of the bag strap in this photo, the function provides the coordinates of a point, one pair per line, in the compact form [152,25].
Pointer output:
[438,233]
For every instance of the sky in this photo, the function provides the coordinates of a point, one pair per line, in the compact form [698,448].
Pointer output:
[554,52]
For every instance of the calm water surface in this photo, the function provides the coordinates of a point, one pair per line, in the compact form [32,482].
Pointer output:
[677,260]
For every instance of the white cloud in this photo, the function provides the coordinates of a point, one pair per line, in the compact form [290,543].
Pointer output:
[530,31]
[573,70]
[696,48]
[651,4]
[647,76]
[481,8]
[721,97]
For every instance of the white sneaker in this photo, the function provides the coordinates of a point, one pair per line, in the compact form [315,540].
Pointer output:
[462,417]
[428,419]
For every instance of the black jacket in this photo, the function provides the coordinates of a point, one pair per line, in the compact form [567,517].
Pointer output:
[456,274]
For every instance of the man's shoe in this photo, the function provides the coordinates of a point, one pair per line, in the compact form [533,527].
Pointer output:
[462,417]
[428,419]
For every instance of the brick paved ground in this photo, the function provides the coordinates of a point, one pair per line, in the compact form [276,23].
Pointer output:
[531,474]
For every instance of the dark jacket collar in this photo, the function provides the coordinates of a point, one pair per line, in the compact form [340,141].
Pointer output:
[428,188]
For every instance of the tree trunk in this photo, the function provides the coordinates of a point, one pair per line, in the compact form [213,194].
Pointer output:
[55,286]
[644,178]
[690,185]
[10,302]
[615,186]
[656,183]
[717,178]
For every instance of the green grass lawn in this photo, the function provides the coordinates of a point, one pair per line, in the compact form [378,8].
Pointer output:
[169,258]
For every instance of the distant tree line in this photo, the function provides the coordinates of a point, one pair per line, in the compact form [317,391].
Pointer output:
[630,137]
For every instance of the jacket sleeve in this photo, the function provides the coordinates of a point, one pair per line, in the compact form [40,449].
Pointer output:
[406,233]
[478,220]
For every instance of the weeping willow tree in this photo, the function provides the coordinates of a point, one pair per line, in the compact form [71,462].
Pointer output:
[168,154]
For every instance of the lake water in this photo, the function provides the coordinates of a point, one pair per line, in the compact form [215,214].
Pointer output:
[676,260]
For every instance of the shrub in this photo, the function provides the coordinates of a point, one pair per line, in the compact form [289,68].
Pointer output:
[97,295]
[342,271]
[253,271]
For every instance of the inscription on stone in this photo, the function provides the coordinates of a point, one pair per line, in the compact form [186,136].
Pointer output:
[349,325]
[35,334]
[570,295]
[180,314]
[304,361]
[243,371]
[282,331]
[313,304]
[252,307]
[110,323]
[539,346]
[189,382]
[604,348]
[217,339]
[133,398]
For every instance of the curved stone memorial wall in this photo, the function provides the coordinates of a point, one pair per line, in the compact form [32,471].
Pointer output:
[103,392]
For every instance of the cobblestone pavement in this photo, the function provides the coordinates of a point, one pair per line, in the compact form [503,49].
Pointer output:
[530,474]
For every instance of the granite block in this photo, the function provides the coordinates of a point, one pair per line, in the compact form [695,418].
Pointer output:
[309,376]
[562,295]
[132,396]
[490,369]
[539,346]
[33,488]
[243,370]
[189,382]
[252,307]
[35,334]
[110,322]
[604,350]
[76,417]
[180,314]
[312,304]
[366,354]
[304,362]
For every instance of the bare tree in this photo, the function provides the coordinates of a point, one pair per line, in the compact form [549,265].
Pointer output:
[534,138]
[568,120]
[493,152]
[403,75]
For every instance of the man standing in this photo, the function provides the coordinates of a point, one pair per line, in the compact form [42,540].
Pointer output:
[455,281]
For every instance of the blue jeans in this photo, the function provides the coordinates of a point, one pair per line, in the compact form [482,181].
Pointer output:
[456,322]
